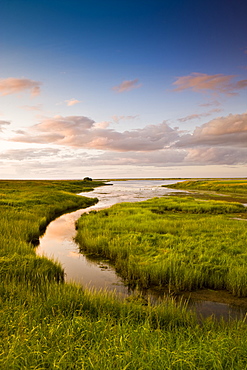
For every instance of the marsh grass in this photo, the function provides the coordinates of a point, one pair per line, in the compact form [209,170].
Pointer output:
[181,243]
[63,327]
[26,207]
[235,189]
[46,324]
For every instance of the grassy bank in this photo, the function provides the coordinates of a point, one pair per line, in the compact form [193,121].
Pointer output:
[182,243]
[46,324]
[234,189]
[26,208]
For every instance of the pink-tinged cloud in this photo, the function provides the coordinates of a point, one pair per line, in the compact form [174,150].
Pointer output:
[211,103]
[219,141]
[201,82]
[241,84]
[173,157]
[216,156]
[72,102]
[198,116]
[82,132]
[222,131]
[127,86]
[13,85]
[102,124]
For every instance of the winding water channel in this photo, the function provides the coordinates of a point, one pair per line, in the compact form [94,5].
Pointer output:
[58,244]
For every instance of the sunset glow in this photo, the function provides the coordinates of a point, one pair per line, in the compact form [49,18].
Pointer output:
[120,89]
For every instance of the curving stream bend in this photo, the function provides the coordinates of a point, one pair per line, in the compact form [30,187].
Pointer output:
[58,244]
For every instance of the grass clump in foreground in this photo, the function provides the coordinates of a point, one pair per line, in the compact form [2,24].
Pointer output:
[181,243]
[46,324]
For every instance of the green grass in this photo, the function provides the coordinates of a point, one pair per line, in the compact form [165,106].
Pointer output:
[181,243]
[26,208]
[65,328]
[233,188]
[46,324]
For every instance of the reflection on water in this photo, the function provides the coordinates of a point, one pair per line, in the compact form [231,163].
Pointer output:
[58,243]
[207,308]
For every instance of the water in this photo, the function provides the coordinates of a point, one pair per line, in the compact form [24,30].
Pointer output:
[58,244]
[58,241]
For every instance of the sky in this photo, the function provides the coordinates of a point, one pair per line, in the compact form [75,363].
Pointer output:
[123,89]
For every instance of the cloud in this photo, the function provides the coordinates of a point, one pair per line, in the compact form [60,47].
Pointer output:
[222,131]
[172,157]
[3,124]
[72,102]
[102,124]
[82,132]
[198,116]
[54,160]
[13,85]
[240,84]
[201,82]
[221,141]
[159,158]
[191,117]
[27,154]
[127,86]
[213,156]
[116,119]
[211,103]
[37,107]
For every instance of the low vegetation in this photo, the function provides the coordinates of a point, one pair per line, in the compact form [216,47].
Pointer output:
[235,189]
[26,208]
[181,243]
[46,324]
